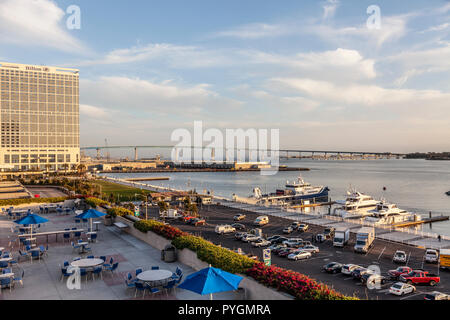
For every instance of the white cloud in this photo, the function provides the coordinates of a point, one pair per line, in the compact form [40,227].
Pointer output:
[365,95]
[329,8]
[255,31]
[177,56]
[163,98]
[36,23]
[340,63]
[93,112]
[392,28]
[439,27]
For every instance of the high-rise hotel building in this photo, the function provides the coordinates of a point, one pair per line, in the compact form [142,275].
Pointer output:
[39,118]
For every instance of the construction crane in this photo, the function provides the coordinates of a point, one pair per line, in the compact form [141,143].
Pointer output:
[107,150]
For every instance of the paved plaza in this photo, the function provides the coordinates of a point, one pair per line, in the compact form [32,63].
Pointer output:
[42,278]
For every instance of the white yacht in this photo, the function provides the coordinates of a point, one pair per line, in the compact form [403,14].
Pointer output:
[387,214]
[293,193]
[356,205]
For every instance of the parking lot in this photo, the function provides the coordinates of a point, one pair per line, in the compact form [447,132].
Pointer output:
[380,254]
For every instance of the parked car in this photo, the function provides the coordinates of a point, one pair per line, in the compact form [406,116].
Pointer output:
[249,238]
[187,218]
[436,295]
[286,251]
[394,274]
[295,225]
[261,243]
[310,248]
[399,257]
[251,256]
[278,248]
[239,235]
[400,288]
[278,240]
[348,268]
[431,256]
[299,255]
[376,277]
[238,226]
[273,238]
[239,217]
[420,277]
[223,229]
[359,272]
[198,222]
[275,247]
[288,230]
[303,227]
[333,267]
[293,242]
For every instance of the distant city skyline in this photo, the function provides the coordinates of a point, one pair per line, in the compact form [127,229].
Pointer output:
[313,69]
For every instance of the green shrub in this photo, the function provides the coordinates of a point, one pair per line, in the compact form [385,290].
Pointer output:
[16,202]
[119,212]
[96,202]
[216,256]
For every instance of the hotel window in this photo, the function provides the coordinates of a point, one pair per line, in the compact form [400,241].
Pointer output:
[60,158]
[67,157]
[15,158]
[7,158]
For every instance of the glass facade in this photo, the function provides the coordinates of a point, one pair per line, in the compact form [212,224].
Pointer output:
[39,118]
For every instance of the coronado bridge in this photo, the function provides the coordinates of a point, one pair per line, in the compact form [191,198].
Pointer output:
[284,153]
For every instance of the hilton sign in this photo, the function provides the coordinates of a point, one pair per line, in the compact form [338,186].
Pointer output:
[30,68]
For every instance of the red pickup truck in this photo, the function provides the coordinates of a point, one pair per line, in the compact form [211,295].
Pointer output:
[394,274]
[420,277]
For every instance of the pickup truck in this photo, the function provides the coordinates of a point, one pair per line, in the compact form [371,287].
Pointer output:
[420,277]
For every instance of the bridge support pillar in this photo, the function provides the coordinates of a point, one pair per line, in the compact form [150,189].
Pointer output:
[98,153]
[135,154]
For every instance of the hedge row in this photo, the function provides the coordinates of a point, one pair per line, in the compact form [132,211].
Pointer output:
[96,202]
[217,256]
[296,284]
[160,228]
[119,212]
[16,202]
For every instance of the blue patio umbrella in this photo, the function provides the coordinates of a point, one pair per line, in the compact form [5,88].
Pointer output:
[211,280]
[91,214]
[31,219]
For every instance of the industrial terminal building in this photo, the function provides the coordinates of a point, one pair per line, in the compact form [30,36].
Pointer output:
[39,118]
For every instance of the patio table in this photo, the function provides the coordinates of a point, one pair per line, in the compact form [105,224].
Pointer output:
[87,263]
[155,276]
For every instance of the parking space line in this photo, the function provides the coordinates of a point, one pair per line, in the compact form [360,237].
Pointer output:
[411,295]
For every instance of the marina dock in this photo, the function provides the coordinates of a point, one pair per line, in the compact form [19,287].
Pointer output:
[424,221]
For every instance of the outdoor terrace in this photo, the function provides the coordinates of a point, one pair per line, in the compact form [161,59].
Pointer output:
[42,277]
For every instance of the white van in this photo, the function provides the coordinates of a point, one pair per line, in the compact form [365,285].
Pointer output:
[431,256]
[225,228]
[261,220]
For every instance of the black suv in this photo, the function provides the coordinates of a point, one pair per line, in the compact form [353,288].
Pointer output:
[333,267]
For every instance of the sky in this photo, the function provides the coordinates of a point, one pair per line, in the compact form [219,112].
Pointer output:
[316,70]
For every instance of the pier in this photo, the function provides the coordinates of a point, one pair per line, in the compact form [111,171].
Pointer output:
[424,221]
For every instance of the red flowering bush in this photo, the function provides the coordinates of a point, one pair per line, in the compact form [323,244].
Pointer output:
[296,284]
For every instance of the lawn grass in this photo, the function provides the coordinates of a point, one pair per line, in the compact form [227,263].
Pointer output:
[126,193]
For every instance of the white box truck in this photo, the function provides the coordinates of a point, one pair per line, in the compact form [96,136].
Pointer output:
[341,237]
[364,239]
[170,214]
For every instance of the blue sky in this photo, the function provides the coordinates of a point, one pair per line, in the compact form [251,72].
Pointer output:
[312,69]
